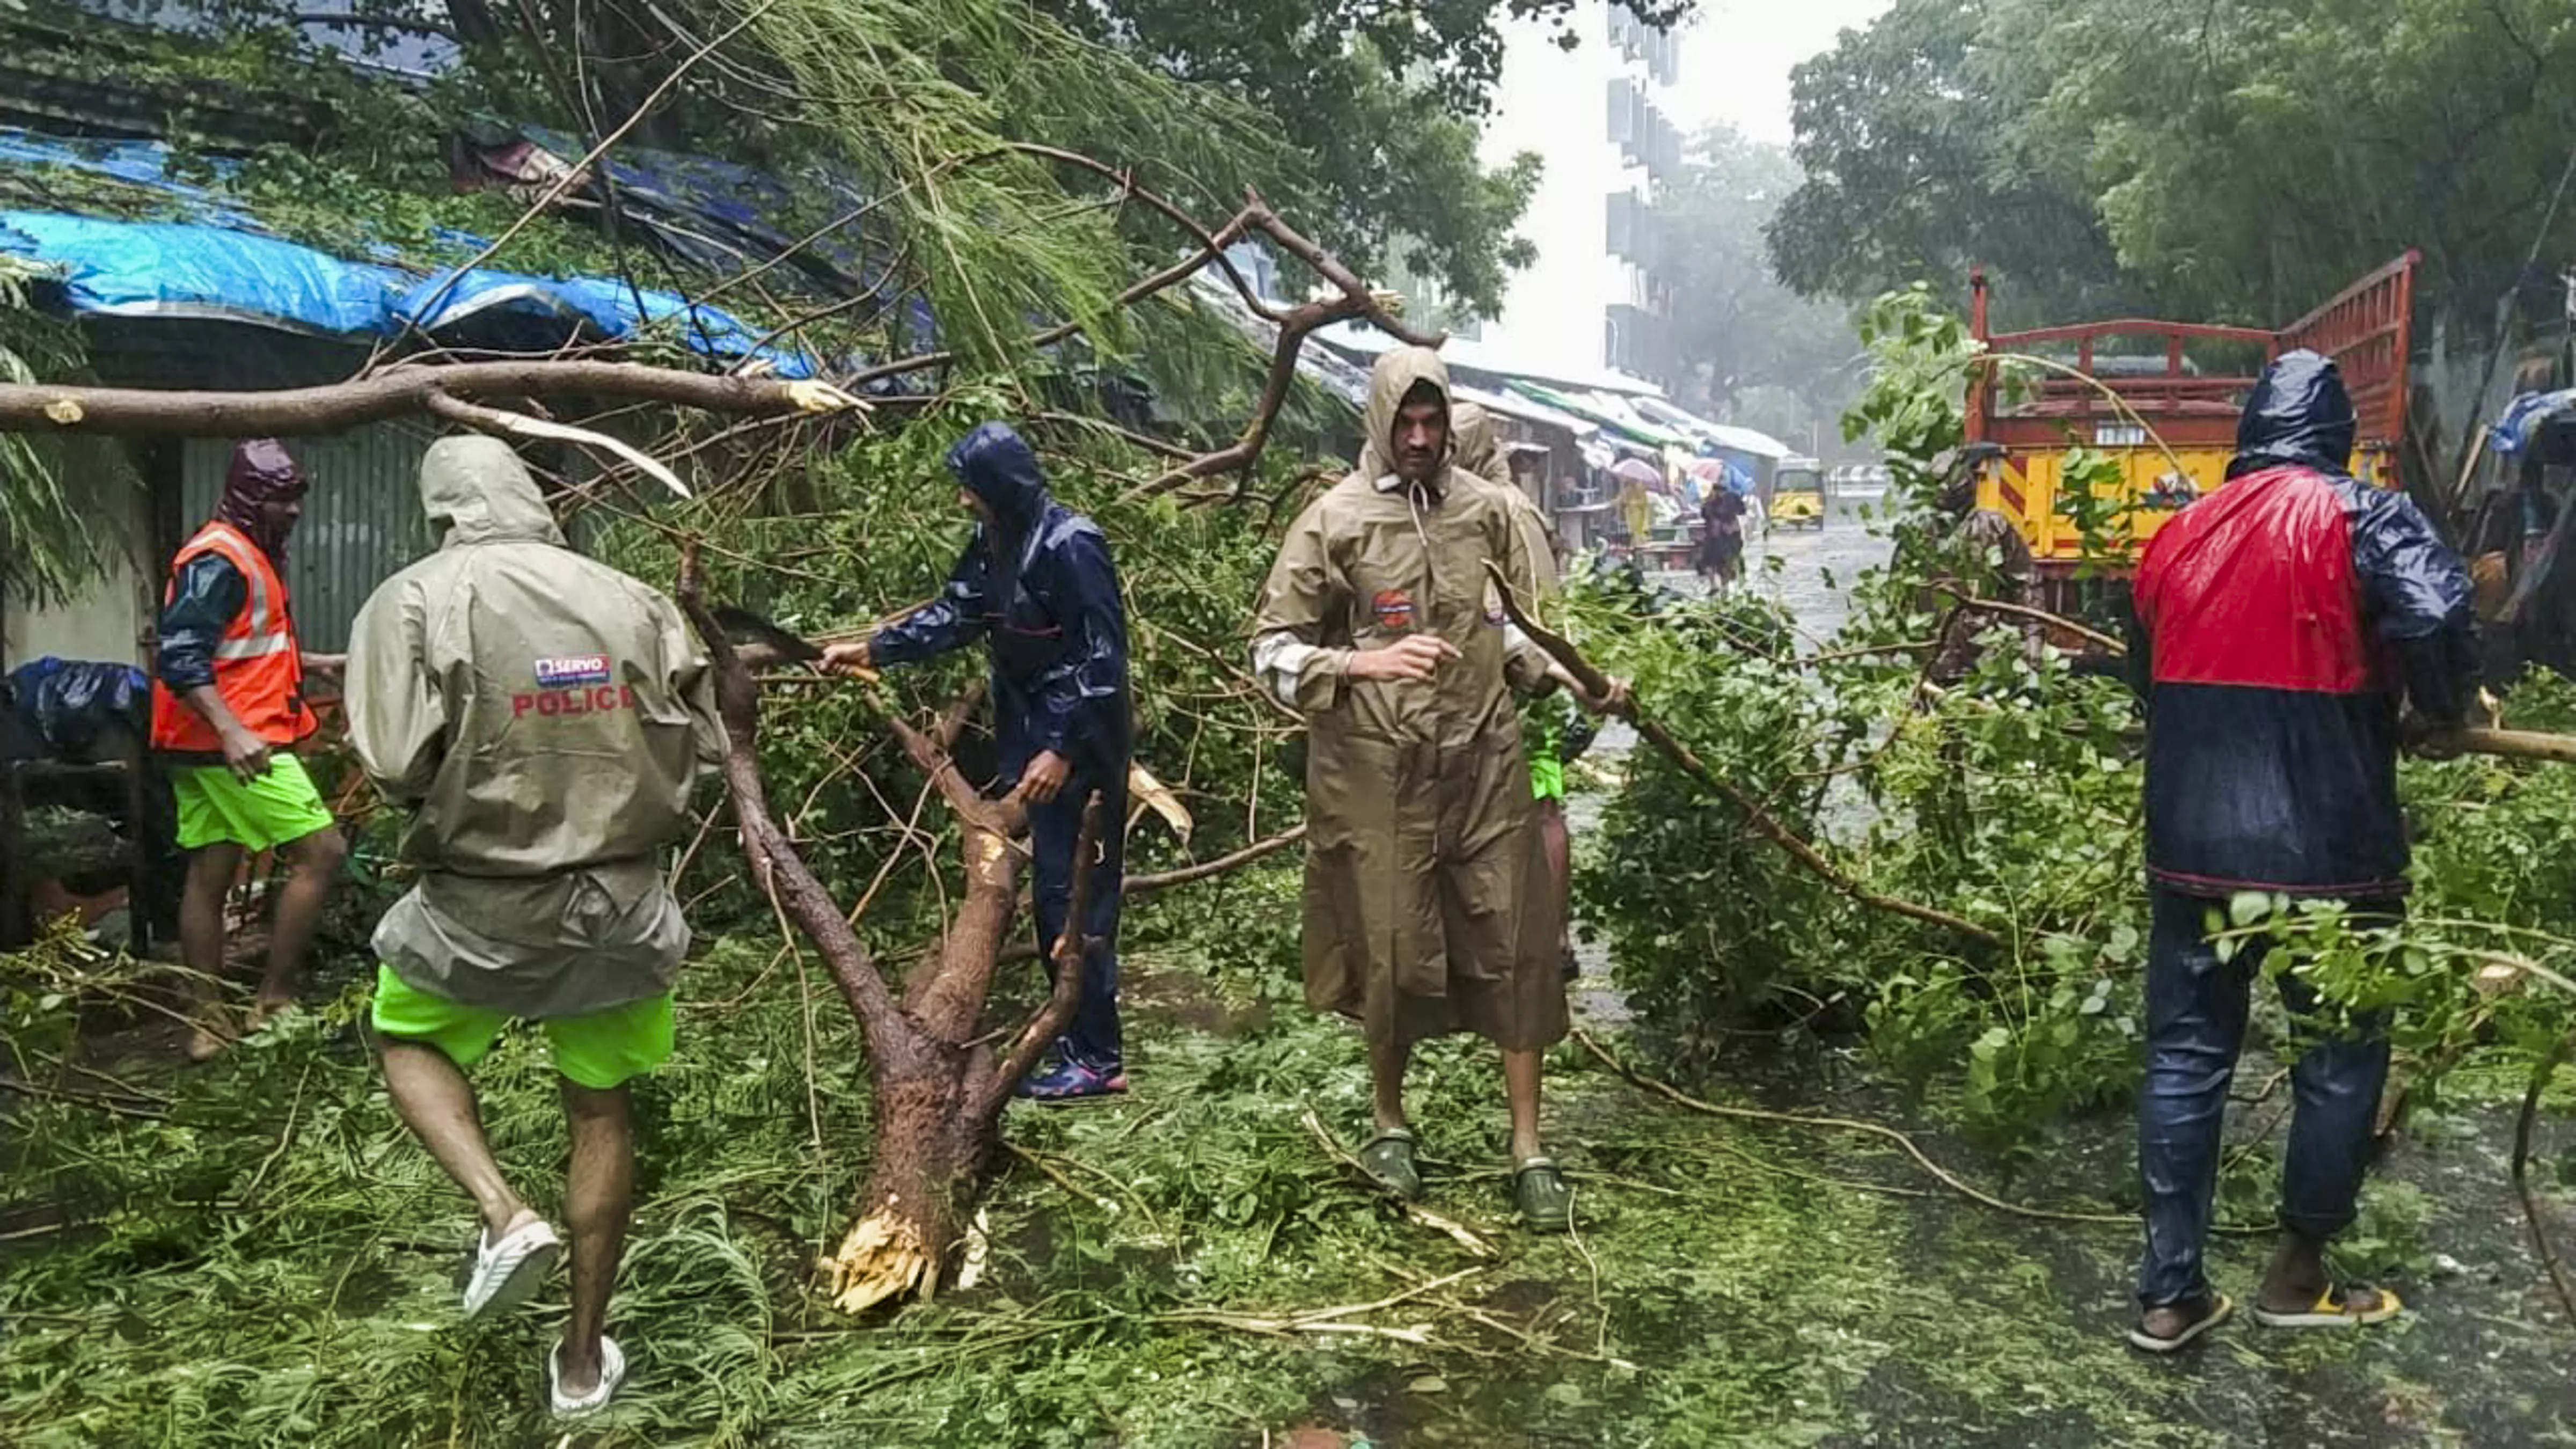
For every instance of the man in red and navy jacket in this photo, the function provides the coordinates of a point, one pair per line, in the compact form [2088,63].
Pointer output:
[2279,623]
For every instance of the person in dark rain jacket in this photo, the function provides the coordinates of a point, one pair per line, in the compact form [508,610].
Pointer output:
[1037,586]
[2277,625]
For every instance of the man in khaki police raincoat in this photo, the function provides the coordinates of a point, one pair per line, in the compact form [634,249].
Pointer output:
[1428,904]
[544,719]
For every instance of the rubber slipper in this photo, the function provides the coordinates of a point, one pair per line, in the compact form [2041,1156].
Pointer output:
[612,1372]
[2220,1306]
[1546,1203]
[509,1270]
[2333,1310]
[1388,1160]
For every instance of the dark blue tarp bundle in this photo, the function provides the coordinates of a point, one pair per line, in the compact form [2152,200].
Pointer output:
[73,705]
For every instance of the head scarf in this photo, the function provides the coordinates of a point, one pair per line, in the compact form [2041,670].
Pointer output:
[262,472]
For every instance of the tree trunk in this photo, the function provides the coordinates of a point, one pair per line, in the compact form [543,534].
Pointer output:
[931,1148]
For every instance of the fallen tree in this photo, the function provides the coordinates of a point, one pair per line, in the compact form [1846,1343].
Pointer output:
[938,1085]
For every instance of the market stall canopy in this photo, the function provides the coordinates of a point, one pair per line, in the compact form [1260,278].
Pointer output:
[1724,435]
[1611,413]
[1468,355]
[1513,405]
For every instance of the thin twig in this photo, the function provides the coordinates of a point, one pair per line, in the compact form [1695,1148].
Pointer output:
[2522,1188]
[1845,1124]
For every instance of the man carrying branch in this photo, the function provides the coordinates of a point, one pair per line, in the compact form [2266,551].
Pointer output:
[2279,623]
[1036,584]
[1429,906]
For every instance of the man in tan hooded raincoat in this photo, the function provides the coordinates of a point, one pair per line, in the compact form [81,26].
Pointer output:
[1429,909]
[544,718]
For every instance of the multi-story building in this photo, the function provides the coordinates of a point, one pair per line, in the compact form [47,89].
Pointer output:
[1599,116]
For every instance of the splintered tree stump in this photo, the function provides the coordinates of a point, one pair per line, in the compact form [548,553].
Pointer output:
[929,1152]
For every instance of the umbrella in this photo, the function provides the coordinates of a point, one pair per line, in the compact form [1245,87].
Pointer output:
[1638,470]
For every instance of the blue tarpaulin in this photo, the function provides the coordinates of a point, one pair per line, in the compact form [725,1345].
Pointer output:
[176,269]
[184,270]
[607,305]
[221,264]
[2525,416]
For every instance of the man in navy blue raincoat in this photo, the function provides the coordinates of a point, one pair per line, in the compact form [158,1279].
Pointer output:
[2278,624]
[1037,586]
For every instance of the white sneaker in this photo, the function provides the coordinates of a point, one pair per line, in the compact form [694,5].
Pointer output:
[508,1272]
[612,1371]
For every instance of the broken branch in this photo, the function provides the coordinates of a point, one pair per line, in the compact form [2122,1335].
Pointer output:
[1652,731]
[1071,946]
[399,391]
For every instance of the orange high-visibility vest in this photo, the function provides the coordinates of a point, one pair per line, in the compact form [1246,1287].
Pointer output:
[259,671]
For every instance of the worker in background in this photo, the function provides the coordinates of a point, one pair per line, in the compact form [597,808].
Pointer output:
[1554,730]
[1721,536]
[1036,584]
[2278,624]
[1428,909]
[228,710]
[543,719]
[1983,557]
[1636,513]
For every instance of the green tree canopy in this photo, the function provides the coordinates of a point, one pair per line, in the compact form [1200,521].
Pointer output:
[1386,100]
[2239,160]
[1752,349]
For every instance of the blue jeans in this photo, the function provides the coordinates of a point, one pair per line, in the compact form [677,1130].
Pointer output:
[1055,828]
[2196,1008]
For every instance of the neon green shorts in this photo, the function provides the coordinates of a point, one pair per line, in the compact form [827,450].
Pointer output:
[216,807]
[601,1050]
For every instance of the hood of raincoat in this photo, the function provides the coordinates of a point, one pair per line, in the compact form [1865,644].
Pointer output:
[477,488]
[998,466]
[261,472]
[1472,447]
[2299,415]
[1398,372]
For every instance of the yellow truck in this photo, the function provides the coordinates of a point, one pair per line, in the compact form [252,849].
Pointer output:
[2153,395]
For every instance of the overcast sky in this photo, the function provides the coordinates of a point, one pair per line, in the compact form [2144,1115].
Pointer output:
[1737,57]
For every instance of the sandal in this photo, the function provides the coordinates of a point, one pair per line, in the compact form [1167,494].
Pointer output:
[1388,1161]
[2334,1310]
[1546,1203]
[2216,1308]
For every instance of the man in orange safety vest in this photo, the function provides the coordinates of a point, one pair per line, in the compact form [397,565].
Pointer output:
[228,710]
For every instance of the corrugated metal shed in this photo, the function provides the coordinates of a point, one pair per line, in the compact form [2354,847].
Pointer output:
[362,521]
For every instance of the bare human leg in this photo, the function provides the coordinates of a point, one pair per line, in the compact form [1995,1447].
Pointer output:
[1520,1087]
[1387,1061]
[598,1200]
[316,860]
[438,1104]
[211,872]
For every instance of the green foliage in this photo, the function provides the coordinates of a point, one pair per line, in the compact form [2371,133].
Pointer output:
[1909,132]
[54,490]
[2249,158]
[1386,102]
[1715,931]
[2238,161]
